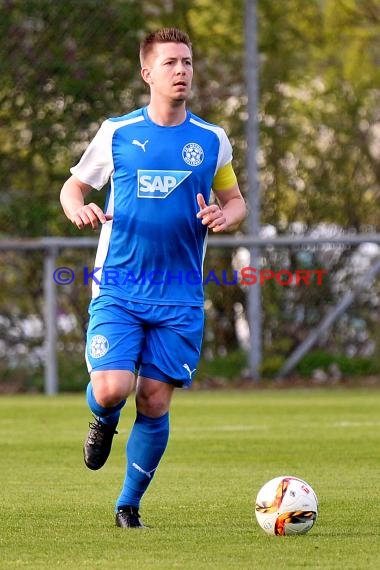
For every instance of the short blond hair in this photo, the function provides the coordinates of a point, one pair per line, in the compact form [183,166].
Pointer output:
[162,36]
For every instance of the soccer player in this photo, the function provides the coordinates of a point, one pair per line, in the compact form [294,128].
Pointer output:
[146,314]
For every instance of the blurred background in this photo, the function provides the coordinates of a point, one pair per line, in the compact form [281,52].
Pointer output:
[66,66]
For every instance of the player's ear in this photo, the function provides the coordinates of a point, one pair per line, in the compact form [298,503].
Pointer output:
[146,74]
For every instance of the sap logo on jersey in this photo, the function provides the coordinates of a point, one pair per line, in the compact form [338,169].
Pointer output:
[159,183]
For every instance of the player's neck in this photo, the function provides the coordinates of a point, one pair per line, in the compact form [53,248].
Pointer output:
[167,116]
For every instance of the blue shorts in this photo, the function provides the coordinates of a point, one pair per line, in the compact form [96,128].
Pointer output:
[162,342]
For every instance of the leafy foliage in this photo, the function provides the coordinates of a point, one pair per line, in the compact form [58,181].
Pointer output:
[68,66]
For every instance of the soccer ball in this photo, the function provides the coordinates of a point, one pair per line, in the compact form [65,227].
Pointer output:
[286,505]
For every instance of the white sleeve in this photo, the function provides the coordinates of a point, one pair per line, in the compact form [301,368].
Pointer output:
[96,165]
[225,150]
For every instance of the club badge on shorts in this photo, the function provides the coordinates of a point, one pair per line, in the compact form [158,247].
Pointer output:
[99,346]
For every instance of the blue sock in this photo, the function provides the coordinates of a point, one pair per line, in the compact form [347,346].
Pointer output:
[145,447]
[109,416]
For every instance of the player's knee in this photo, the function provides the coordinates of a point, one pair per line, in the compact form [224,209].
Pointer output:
[108,396]
[152,405]
[109,391]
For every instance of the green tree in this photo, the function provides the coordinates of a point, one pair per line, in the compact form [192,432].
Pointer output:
[320,114]
[319,146]
[68,66]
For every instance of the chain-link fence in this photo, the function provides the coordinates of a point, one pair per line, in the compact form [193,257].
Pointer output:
[43,323]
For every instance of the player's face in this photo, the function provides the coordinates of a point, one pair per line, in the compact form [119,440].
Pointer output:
[169,71]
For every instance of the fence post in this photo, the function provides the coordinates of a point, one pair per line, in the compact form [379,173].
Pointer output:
[50,320]
[254,309]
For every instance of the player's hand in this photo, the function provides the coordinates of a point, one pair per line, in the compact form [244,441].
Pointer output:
[212,216]
[89,215]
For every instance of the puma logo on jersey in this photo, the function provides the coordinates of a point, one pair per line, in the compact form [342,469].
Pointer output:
[140,144]
[190,372]
[159,183]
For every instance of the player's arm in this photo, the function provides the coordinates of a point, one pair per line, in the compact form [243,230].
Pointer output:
[230,209]
[80,214]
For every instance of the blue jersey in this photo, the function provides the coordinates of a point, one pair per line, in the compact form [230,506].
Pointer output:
[153,249]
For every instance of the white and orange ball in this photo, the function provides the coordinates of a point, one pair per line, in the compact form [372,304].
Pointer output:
[285,506]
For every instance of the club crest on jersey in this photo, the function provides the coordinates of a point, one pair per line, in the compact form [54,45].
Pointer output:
[159,183]
[192,154]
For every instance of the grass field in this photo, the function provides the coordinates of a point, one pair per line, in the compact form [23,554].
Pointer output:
[224,445]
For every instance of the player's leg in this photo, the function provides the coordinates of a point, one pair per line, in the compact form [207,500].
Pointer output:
[169,359]
[145,447]
[106,395]
[114,340]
